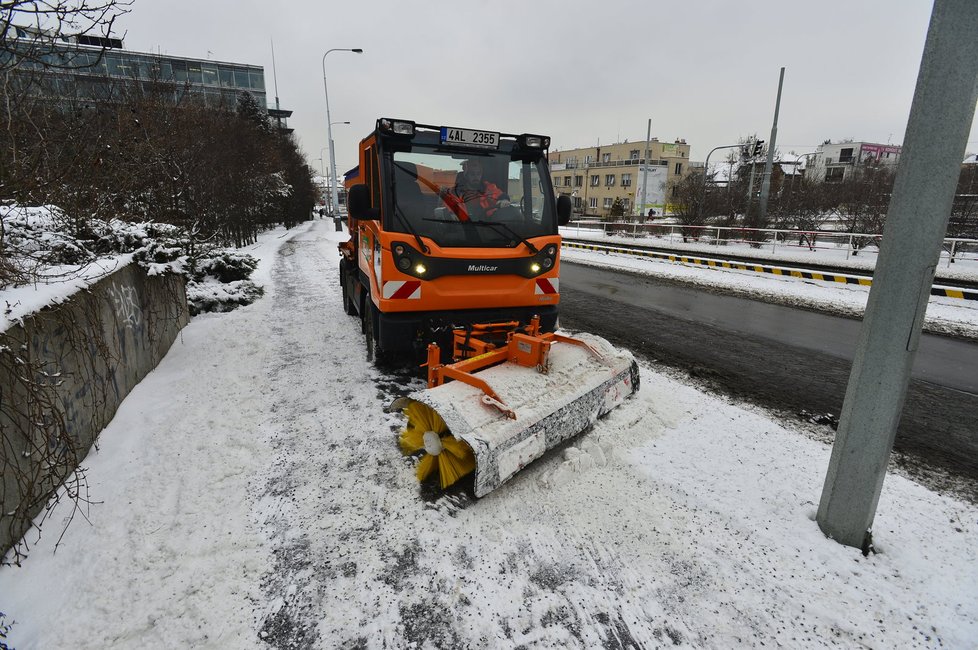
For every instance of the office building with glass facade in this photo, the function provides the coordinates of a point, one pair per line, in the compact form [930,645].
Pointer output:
[97,68]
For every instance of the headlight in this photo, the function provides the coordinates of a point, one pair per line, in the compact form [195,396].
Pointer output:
[547,262]
[530,141]
[535,267]
[404,263]
[398,127]
[420,269]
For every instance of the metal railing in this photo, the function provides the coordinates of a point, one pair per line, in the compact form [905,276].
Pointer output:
[769,239]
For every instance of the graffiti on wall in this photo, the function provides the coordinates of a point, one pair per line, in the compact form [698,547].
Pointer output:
[126,304]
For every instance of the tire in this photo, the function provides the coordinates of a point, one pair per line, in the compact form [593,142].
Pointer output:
[375,355]
[348,306]
[368,328]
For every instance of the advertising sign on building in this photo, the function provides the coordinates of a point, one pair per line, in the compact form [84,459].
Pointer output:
[878,152]
[655,189]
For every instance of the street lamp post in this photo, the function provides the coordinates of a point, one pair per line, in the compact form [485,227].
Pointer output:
[798,157]
[706,171]
[334,193]
[334,198]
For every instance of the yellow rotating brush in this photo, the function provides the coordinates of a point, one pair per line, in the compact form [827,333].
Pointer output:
[426,431]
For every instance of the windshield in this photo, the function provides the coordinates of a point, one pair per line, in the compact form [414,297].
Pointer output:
[488,199]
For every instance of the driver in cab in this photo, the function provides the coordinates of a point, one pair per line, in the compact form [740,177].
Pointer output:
[472,194]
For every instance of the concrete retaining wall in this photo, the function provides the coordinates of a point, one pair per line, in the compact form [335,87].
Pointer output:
[63,374]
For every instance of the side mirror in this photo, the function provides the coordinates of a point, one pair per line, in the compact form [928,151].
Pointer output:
[358,201]
[563,209]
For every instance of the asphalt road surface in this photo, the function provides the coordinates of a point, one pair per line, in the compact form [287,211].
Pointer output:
[785,358]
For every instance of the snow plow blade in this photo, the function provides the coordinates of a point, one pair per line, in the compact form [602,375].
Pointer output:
[512,412]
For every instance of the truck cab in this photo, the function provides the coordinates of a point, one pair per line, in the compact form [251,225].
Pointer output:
[449,227]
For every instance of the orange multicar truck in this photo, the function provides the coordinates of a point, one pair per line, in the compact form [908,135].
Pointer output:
[414,269]
[466,275]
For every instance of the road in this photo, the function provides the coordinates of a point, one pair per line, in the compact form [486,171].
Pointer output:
[781,357]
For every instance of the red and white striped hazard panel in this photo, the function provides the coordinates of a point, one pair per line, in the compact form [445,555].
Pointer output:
[402,289]
[546,285]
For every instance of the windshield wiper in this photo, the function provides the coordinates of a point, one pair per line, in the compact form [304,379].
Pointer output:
[496,224]
[407,224]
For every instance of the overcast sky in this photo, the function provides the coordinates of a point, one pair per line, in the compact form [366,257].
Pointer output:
[582,72]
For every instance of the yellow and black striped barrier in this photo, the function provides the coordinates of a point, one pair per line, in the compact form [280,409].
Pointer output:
[950,292]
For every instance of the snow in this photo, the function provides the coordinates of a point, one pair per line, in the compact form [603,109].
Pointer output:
[944,315]
[55,285]
[829,250]
[250,493]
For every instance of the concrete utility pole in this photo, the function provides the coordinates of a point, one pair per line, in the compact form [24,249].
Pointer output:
[766,182]
[645,169]
[937,131]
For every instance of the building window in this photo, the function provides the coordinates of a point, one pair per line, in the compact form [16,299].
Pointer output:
[587,159]
[626,180]
[606,157]
[627,204]
[194,73]
[227,76]
[577,202]
[835,175]
[595,180]
[633,154]
[609,180]
[592,202]
[608,202]
[578,181]
[845,155]
[679,168]
[208,73]
[241,79]
[567,181]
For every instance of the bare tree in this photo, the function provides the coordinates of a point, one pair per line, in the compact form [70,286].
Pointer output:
[964,214]
[689,203]
[807,209]
[861,201]
[963,222]
[32,32]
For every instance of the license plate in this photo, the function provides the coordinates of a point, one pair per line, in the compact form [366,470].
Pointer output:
[469,138]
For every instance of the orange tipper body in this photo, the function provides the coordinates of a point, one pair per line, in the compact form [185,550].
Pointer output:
[448,228]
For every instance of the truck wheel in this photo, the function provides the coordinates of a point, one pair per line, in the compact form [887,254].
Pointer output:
[347,299]
[376,355]
[368,327]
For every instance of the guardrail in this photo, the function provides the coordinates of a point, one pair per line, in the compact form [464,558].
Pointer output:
[773,267]
[955,249]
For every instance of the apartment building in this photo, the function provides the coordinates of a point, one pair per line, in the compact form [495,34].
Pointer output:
[835,162]
[595,176]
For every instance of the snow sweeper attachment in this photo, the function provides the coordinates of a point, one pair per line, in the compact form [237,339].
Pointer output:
[514,394]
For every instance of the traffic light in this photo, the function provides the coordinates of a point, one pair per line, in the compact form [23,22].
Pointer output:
[758,147]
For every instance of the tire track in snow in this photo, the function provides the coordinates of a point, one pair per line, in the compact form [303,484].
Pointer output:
[552,559]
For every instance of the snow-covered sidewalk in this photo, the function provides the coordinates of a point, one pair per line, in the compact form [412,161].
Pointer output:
[250,493]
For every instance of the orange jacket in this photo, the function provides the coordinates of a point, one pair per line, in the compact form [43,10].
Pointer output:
[487,197]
